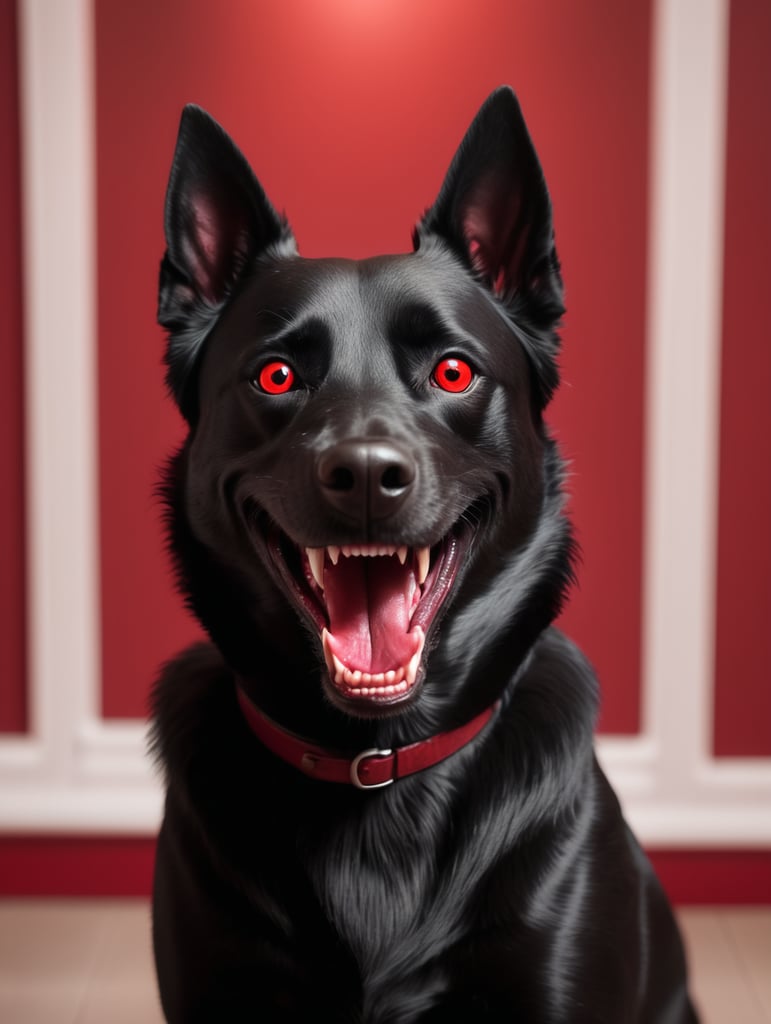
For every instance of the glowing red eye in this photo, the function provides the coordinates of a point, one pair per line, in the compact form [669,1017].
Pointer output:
[276,377]
[452,375]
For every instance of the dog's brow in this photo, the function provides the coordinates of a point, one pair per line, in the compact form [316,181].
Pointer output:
[266,319]
[292,329]
[418,321]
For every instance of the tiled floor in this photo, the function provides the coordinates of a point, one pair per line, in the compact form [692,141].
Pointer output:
[89,962]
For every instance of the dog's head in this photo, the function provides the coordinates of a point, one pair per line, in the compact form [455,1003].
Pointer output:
[366,443]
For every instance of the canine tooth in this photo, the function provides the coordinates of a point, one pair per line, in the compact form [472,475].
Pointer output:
[340,669]
[402,553]
[316,562]
[424,560]
[334,553]
[412,667]
[328,655]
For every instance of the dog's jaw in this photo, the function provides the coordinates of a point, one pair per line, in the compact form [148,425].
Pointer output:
[373,607]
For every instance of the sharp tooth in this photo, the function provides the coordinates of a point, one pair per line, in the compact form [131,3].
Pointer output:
[340,669]
[334,553]
[402,553]
[424,559]
[316,562]
[412,668]
[328,655]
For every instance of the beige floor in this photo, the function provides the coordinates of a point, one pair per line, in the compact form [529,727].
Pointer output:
[89,962]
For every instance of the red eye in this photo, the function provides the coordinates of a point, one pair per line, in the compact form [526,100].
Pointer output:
[276,378]
[452,375]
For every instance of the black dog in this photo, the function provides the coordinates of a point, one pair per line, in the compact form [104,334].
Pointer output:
[367,518]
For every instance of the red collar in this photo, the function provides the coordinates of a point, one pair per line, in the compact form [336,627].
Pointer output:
[371,769]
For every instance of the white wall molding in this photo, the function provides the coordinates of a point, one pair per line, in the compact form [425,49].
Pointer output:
[75,772]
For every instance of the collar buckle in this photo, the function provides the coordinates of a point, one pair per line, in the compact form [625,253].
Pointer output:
[356,780]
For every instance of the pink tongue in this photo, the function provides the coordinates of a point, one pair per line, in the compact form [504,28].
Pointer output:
[369,602]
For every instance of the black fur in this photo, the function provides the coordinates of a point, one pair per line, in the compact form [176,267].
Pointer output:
[501,884]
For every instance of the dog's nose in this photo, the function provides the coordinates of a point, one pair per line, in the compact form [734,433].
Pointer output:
[366,479]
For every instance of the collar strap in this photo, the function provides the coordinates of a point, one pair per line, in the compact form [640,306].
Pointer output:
[371,769]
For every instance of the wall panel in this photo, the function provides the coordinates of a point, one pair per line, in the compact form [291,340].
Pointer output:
[13,703]
[742,724]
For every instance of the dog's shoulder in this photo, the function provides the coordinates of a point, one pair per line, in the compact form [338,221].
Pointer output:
[558,685]
[193,693]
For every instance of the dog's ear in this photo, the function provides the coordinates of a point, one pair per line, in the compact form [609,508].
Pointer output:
[217,219]
[494,209]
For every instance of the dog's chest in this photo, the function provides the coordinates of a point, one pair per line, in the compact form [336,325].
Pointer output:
[396,903]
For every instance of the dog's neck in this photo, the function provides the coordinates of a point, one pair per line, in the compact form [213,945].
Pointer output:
[369,769]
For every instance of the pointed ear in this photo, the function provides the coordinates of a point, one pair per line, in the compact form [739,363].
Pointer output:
[494,209]
[217,220]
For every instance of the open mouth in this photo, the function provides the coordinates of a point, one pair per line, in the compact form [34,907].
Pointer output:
[373,606]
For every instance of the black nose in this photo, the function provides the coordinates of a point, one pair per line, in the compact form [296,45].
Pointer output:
[366,479]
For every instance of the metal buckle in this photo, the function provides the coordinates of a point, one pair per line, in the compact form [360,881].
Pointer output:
[355,769]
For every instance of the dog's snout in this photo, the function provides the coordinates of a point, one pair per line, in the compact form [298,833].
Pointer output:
[366,479]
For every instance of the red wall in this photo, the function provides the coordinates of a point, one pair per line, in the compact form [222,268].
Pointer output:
[350,113]
[12,591]
[743,643]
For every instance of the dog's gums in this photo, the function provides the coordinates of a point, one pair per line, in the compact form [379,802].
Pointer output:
[373,605]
